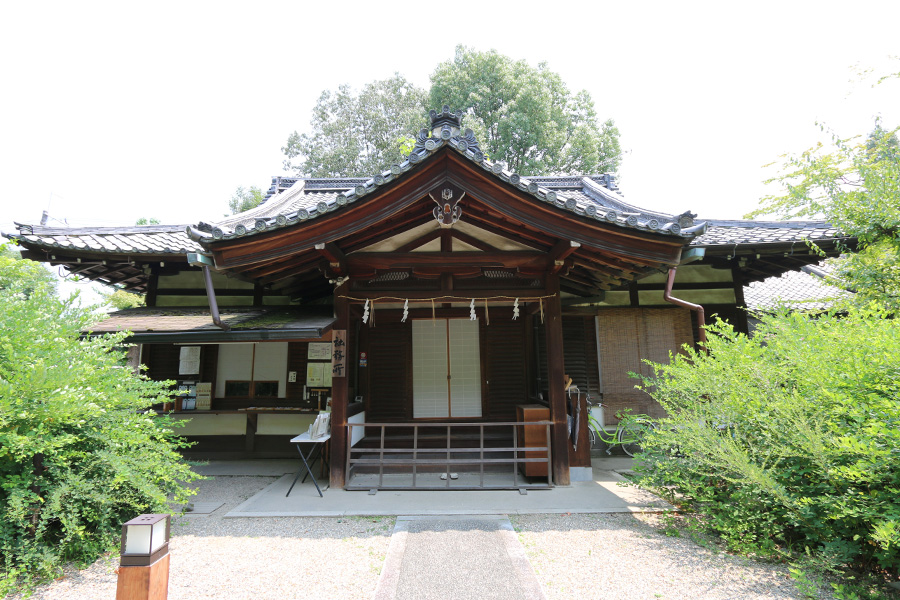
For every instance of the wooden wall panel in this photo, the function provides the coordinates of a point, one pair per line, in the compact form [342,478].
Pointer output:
[162,361]
[503,350]
[209,364]
[389,374]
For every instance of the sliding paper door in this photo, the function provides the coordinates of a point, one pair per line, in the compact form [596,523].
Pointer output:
[465,368]
[446,369]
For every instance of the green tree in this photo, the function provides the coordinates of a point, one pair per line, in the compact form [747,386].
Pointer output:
[79,451]
[358,134]
[122,299]
[146,221]
[526,117]
[245,199]
[23,274]
[855,184]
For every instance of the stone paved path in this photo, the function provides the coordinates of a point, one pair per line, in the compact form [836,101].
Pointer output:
[461,557]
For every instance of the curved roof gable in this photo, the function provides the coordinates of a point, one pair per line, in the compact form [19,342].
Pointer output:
[593,197]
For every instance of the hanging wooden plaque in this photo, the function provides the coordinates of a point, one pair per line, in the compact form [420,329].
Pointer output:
[339,353]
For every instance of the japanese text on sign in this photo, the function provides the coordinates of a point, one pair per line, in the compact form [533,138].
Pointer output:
[339,353]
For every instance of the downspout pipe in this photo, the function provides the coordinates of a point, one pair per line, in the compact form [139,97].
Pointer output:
[213,305]
[690,256]
[199,260]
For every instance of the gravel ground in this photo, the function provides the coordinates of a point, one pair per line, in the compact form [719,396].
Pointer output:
[624,556]
[620,556]
[284,558]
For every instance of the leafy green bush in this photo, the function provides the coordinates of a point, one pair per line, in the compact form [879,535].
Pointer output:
[78,453]
[790,438]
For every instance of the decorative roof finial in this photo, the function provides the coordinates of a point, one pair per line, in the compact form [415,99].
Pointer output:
[445,120]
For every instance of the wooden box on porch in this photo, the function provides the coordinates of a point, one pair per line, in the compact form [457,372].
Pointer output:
[533,435]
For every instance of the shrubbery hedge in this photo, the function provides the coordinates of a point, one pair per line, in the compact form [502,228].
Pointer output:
[78,457]
[788,438]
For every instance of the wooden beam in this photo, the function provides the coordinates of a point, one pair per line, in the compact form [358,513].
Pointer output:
[409,260]
[484,223]
[336,259]
[275,271]
[152,286]
[420,241]
[742,325]
[524,295]
[201,292]
[584,281]
[378,234]
[473,241]
[634,297]
[560,252]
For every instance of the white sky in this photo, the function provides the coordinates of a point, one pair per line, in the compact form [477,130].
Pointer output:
[114,111]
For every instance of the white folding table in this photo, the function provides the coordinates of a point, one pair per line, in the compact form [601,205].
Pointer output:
[316,451]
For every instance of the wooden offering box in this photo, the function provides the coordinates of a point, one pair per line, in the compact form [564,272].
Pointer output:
[533,435]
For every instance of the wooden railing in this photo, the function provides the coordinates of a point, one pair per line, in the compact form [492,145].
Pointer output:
[400,464]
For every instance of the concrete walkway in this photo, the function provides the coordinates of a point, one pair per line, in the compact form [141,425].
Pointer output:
[604,494]
[474,557]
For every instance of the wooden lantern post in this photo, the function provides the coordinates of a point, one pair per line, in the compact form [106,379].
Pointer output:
[144,564]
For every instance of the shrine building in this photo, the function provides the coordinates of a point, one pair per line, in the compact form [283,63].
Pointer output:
[435,308]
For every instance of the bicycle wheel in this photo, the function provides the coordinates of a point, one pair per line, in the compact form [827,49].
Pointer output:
[630,436]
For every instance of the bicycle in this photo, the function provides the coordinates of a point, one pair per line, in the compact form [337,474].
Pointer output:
[629,433]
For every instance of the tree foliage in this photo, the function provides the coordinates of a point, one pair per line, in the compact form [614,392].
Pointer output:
[526,117]
[25,275]
[357,134]
[789,438]
[244,199]
[122,299]
[855,184]
[79,453]
[523,116]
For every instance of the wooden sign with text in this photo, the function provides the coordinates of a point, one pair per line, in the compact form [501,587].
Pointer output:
[339,353]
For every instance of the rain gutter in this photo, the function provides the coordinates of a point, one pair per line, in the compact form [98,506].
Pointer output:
[688,257]
[200,260]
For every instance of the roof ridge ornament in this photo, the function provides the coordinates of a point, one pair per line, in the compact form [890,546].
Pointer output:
[439,120]
[446,128]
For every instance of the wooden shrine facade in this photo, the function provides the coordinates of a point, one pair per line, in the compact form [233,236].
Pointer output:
[460,291]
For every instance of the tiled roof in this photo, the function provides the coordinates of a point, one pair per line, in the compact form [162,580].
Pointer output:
[738,232]
[592,197]
[134,240]
[197,320]
[293,200]
[806,289]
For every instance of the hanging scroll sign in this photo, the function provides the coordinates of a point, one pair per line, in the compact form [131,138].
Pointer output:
[339,353]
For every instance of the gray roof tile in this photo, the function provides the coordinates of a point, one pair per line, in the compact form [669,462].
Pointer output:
[135,240]
[797,290]
[739,232]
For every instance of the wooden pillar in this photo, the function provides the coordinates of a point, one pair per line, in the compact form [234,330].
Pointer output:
[152,284]
[738,281]
[556,384]
[340,396]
